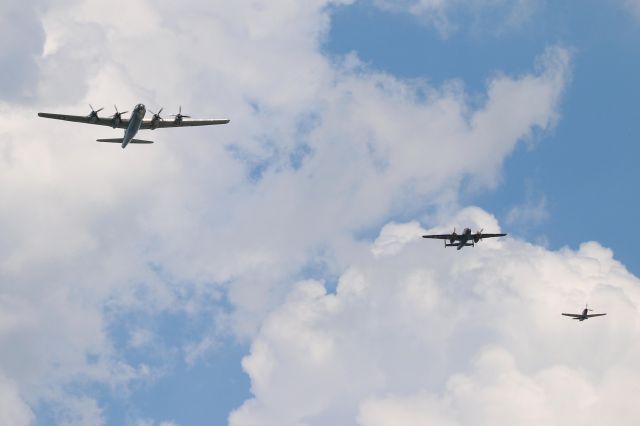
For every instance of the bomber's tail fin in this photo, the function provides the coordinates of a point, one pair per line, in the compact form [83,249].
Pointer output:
[119,140]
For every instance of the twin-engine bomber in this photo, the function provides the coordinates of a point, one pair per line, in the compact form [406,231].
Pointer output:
[466,239]
[134,123]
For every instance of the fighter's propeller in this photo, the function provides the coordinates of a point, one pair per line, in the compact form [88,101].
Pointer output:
[179,116]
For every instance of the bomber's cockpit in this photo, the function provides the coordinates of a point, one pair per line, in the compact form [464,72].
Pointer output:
[139,106]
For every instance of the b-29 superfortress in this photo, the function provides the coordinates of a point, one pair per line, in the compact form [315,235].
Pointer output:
[134,123]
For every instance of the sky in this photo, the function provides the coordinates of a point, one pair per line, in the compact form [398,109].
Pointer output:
[271,271]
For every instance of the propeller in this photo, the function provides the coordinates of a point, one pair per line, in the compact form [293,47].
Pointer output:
[156,115]
[156,119]
[94,113]
[179,116]
[118,114]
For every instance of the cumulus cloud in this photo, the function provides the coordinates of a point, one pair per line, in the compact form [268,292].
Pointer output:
[495,391]
[424,335]
[318,149]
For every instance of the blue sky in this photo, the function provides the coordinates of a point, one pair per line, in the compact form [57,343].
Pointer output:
[268,272]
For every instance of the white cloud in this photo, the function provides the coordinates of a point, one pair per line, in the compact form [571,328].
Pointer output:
[340,147]
[497,392]
[424,335]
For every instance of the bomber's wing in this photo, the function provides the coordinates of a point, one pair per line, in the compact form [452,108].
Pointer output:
[492,235]
[185,122]
[440,236]
[595,315]
[572,315]
[100,121]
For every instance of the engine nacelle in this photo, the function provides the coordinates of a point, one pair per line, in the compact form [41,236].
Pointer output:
[154,123]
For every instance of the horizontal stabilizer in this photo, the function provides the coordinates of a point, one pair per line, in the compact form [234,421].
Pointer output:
[114,140]
[119,140]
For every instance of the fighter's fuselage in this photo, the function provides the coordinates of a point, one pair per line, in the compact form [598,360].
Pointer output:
[134,124]
[584,314]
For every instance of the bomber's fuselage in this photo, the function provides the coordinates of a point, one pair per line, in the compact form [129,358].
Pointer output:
[134,124]
[464,237]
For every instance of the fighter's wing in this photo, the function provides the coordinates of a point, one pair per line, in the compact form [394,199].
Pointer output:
[491,235]
[100,121]
[185,122]
[572,315]
[441,236]
[595,315]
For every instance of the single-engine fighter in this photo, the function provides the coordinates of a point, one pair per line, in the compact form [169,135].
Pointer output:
[134,123]
[584,315]
[466,239]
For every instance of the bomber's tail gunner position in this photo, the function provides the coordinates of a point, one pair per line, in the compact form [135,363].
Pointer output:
[584,315]
[134,123]
[466,239]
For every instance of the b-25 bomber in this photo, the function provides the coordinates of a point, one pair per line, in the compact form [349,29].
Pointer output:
[466,239]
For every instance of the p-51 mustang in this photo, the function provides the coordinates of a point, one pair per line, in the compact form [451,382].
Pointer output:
[134,123]
[466,239]
[584,315]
